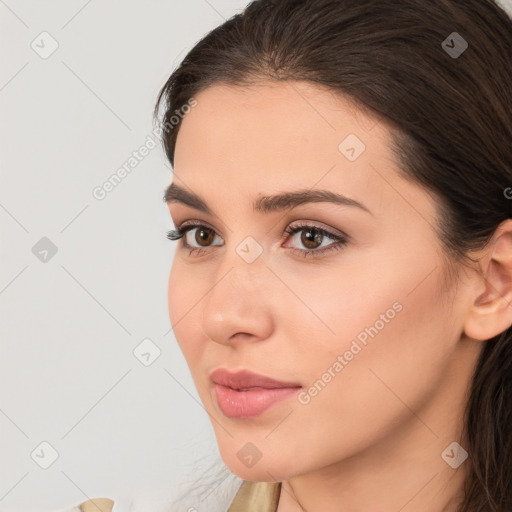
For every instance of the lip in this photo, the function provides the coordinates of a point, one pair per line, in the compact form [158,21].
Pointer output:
[244,394]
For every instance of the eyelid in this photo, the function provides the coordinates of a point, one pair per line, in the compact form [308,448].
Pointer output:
[294,224]
[187,225]
[333,232]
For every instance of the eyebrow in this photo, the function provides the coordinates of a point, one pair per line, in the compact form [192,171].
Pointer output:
[279,202]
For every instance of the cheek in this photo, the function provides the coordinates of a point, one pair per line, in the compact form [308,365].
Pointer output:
[373,303]
[184,311]
[382,317]
[391,345]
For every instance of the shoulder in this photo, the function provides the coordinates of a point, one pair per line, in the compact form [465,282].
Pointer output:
[91,505]
[97,505]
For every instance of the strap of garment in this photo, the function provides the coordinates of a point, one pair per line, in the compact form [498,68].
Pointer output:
[256,497]
[97,505]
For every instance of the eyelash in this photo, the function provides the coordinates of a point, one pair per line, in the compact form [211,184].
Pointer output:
[340,241]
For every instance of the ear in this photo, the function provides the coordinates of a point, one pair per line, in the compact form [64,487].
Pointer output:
[491,311]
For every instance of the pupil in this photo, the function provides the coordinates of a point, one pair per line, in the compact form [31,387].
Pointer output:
[310,236]
[203,234]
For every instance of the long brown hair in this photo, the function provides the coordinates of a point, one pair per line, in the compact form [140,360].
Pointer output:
[439,72]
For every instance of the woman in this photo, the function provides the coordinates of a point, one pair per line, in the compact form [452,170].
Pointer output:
[342,284]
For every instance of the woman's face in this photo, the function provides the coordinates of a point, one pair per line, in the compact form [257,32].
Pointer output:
[363,327]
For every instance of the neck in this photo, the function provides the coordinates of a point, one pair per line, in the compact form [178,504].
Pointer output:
[402,471]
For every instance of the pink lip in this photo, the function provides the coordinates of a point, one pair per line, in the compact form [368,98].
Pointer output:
[245,394]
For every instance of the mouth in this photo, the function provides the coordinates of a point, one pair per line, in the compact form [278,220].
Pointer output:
[245,394]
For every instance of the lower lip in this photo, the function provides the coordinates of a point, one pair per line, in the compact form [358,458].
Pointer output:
[250,403]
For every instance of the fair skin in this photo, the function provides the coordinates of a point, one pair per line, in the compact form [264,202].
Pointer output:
[372,438]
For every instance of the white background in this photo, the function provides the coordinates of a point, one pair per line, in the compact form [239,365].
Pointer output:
[69,326]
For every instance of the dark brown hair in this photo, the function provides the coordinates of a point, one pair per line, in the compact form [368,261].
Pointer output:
[450,111]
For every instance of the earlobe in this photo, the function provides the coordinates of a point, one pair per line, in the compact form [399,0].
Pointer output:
[491,311]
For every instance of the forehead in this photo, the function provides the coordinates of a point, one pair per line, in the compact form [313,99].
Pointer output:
[277,128]
[283,113]
[274,136]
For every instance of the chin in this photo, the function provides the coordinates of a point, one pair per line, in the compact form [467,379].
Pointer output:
[273,468]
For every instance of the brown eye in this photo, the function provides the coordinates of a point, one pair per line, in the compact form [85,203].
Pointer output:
[311,238]
[204,236]
[198,237]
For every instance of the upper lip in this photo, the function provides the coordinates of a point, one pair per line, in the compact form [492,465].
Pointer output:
[244,379]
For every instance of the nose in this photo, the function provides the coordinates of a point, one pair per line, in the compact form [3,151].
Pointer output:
[238,306]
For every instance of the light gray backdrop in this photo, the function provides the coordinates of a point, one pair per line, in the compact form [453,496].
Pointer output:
[71,116]
[96,397]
